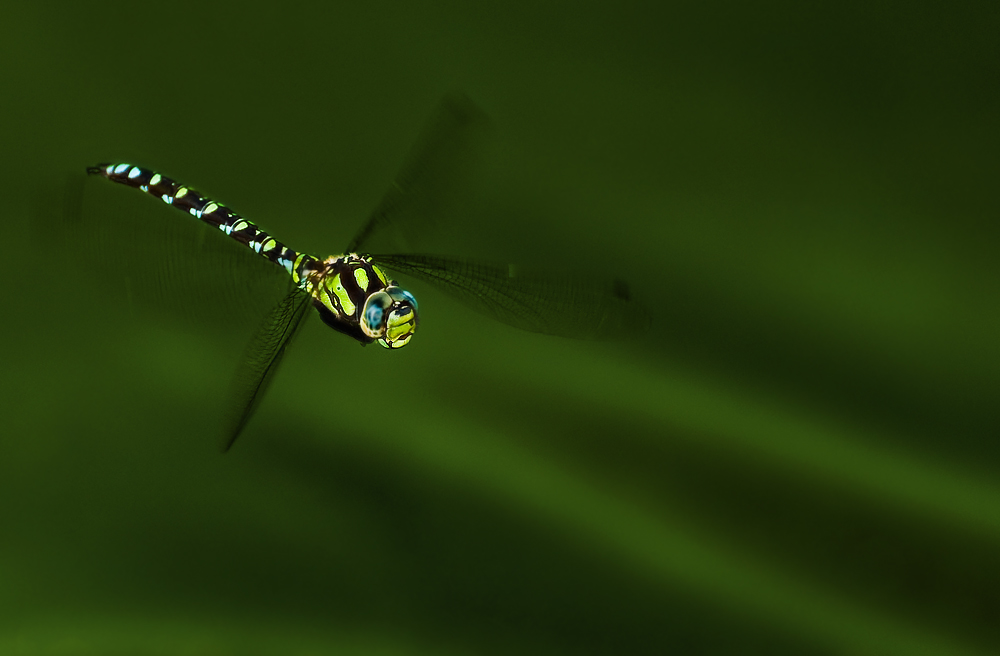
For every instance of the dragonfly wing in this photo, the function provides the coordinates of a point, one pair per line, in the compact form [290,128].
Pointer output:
[143,253]
[544,302]
[260,362]
[409,210]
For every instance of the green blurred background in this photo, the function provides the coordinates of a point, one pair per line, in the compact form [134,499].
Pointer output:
[800,458]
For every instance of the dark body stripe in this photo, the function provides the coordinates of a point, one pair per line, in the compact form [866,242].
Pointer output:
[213,213]
[340,295]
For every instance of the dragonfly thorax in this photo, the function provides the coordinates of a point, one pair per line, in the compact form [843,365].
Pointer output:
[355,297]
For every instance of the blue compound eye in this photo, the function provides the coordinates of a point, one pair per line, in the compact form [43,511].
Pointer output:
[401,295]
[390,316]
[400,318]
[373,315]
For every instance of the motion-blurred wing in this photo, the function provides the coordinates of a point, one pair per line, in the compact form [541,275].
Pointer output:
[260,362]
[442,156]
[550,303]
[144,253]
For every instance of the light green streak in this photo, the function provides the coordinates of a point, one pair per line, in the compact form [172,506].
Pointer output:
[645,538]
[765,426]
[654,544]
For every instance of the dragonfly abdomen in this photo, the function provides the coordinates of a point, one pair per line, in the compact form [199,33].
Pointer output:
[214,214]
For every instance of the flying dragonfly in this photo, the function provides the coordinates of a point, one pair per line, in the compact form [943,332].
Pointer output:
[353,293]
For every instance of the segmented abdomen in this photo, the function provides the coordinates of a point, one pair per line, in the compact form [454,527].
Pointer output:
[212,213]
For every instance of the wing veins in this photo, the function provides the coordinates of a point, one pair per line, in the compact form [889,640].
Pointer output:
[260,362]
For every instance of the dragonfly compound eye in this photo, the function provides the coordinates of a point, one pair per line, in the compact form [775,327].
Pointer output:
[390,316]
[402,318]
[374,315]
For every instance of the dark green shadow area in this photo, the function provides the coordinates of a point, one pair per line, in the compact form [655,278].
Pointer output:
[464,564]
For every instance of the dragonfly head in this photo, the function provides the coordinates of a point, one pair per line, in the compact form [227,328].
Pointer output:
[390,316]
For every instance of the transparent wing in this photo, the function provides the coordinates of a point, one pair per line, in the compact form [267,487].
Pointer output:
[442,156]
[261,359]
[142,252]
[544,302]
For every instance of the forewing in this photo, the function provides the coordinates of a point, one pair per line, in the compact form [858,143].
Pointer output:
[142,252]
[554,303]
[261,359]
[409,212]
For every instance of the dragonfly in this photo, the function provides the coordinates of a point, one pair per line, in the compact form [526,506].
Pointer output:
[354,294]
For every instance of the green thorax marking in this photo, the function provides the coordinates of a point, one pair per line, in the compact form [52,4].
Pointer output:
[344,283]
[340,286]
